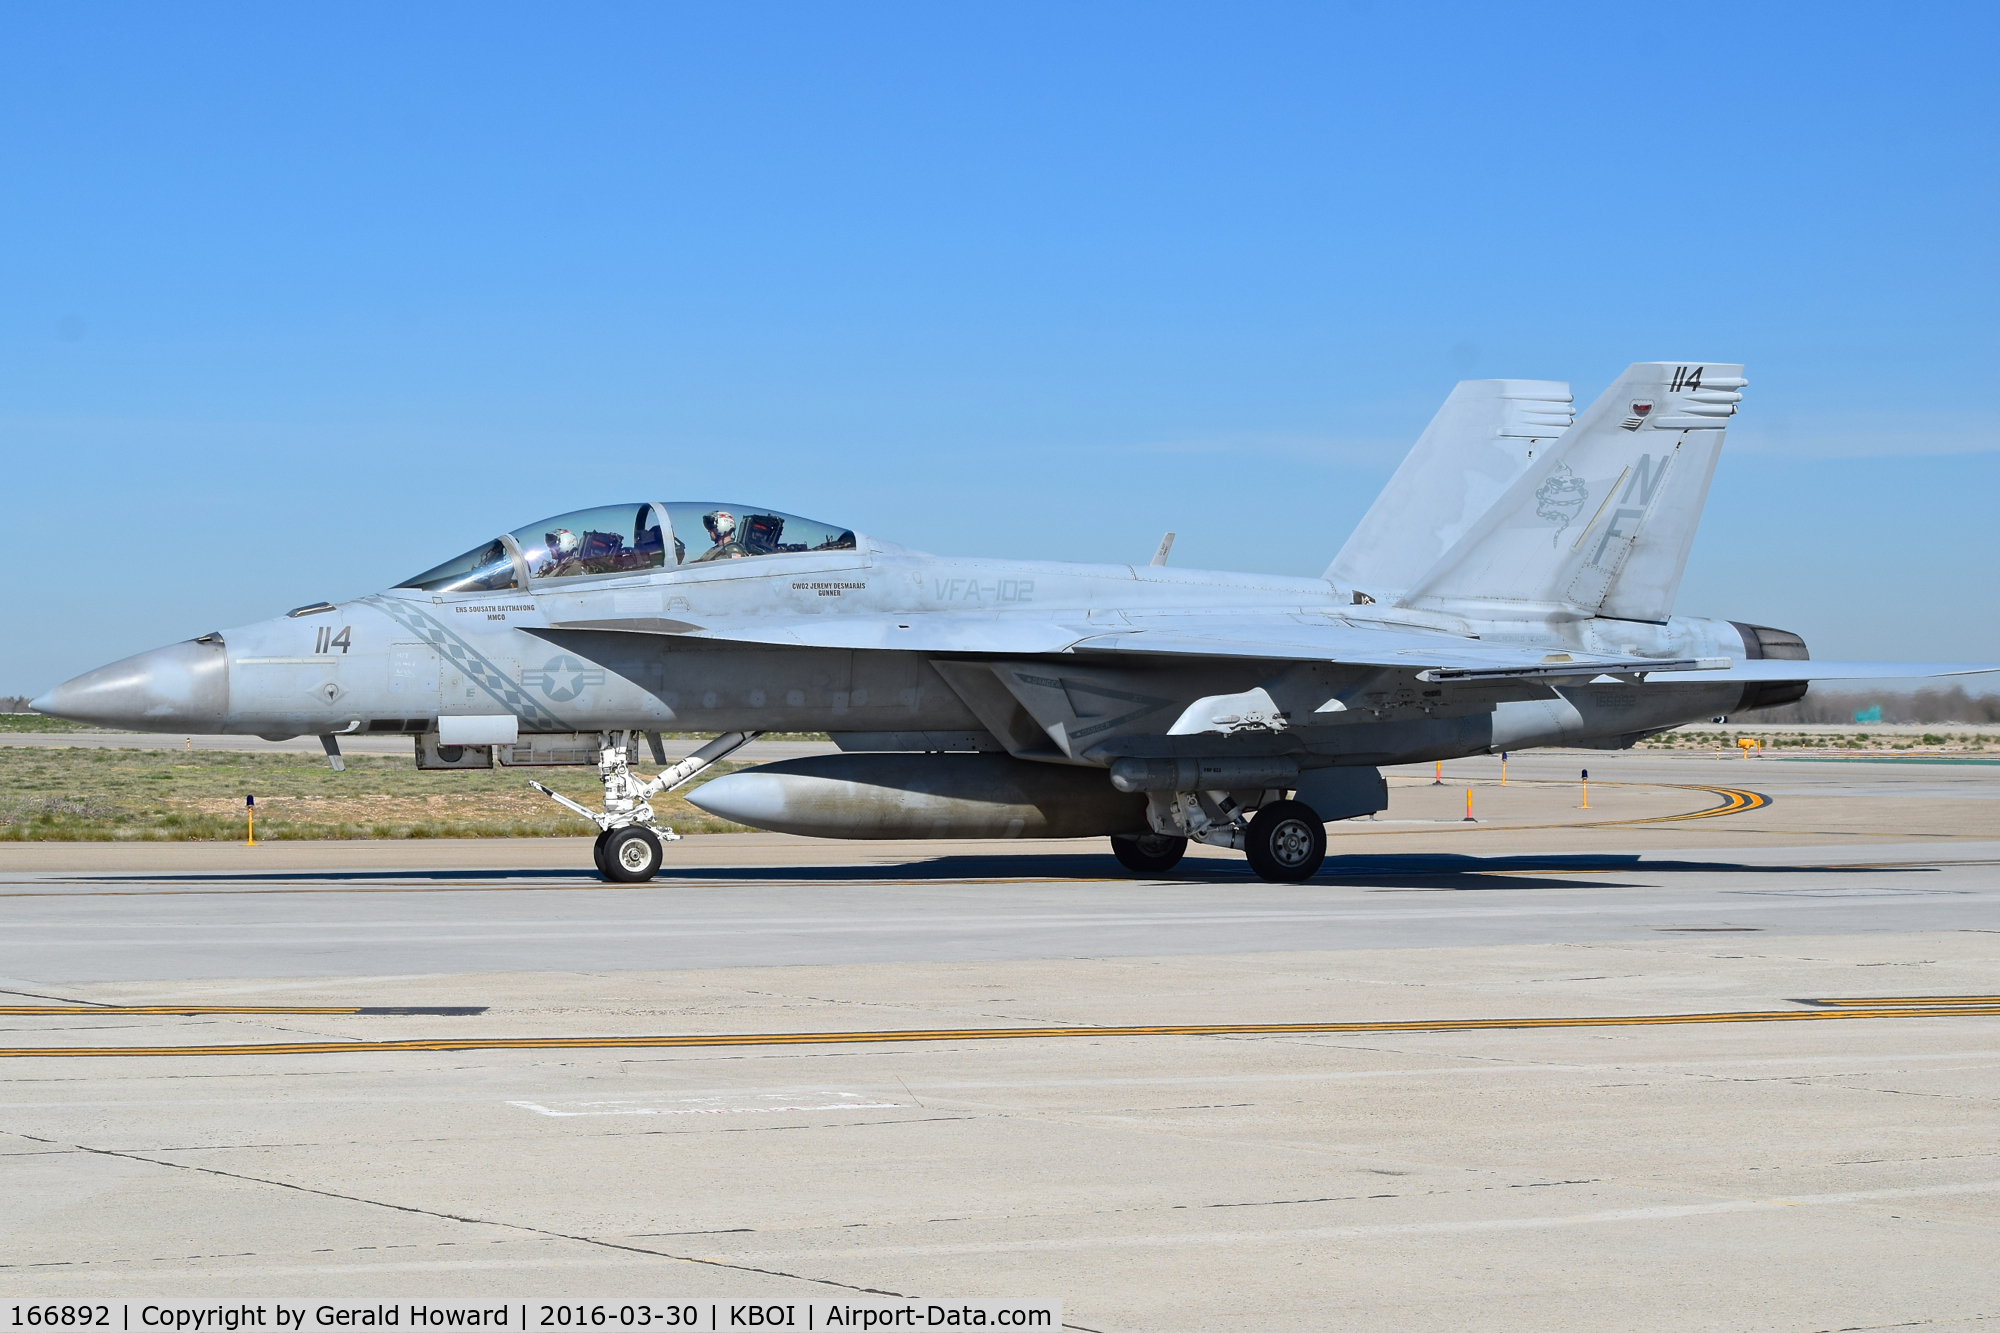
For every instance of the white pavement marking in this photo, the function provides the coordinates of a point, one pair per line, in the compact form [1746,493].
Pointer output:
[702,1106]
[1662,1213]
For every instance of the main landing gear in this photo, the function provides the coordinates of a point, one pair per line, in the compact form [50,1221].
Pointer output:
[1285,841]
[629,840]
[1149,853]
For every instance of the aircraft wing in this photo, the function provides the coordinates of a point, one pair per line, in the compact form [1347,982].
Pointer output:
[1783,669]
[1451,657]
[931,632]
[1299,636]
[1310,637]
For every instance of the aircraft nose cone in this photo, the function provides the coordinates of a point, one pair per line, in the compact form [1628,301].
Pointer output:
[182,687]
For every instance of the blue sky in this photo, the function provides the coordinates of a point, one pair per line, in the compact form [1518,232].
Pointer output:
[296,301]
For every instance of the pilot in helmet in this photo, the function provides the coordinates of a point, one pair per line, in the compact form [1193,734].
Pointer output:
[563,546]
[721,525]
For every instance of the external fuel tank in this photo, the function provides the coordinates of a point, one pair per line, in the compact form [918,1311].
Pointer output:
[924,796]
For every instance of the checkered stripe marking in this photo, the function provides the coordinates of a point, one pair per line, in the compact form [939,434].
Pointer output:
[469,661]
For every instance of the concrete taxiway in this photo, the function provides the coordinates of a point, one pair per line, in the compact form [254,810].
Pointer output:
[1683,1058]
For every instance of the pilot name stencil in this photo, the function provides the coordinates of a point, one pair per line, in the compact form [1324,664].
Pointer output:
[972,590]
[476,668]
[829,589]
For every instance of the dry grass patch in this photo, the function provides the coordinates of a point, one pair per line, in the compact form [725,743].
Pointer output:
[79,794]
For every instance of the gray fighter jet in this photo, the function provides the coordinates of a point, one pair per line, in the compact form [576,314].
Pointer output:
[1512,587]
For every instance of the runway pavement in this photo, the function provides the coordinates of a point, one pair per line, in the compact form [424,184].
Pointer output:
[1680,1059]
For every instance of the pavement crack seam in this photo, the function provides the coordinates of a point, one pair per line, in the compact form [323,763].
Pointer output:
[1417,1194]
[247,1254]
[470,1221]
[59,999]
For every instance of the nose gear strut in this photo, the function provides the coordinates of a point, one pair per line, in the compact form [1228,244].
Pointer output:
[628,802]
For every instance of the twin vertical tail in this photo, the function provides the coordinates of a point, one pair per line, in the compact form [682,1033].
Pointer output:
[1597,522]
[1484,437]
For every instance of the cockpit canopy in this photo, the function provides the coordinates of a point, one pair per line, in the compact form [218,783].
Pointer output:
[629,539]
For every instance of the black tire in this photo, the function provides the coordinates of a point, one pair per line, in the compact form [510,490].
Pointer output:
[631,855]
[1286,842]
[597,854]
[1148,853]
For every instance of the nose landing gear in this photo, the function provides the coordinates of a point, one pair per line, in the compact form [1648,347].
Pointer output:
[628,848]
[630,855]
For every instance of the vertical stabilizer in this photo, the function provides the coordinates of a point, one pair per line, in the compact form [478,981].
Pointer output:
[1601,522]
[1487,433]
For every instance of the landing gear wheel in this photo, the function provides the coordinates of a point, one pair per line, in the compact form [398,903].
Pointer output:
[1149,853]
[1286,842]
[631,855]
[597,854]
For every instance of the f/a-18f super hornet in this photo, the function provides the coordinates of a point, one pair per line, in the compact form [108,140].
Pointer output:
[1513,586]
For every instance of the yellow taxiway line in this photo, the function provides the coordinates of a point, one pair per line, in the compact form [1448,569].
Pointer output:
[1735,801]
[404,1011]
[1943,1006]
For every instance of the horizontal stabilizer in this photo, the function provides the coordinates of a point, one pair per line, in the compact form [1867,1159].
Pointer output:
[1779,669]
[1707,670]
